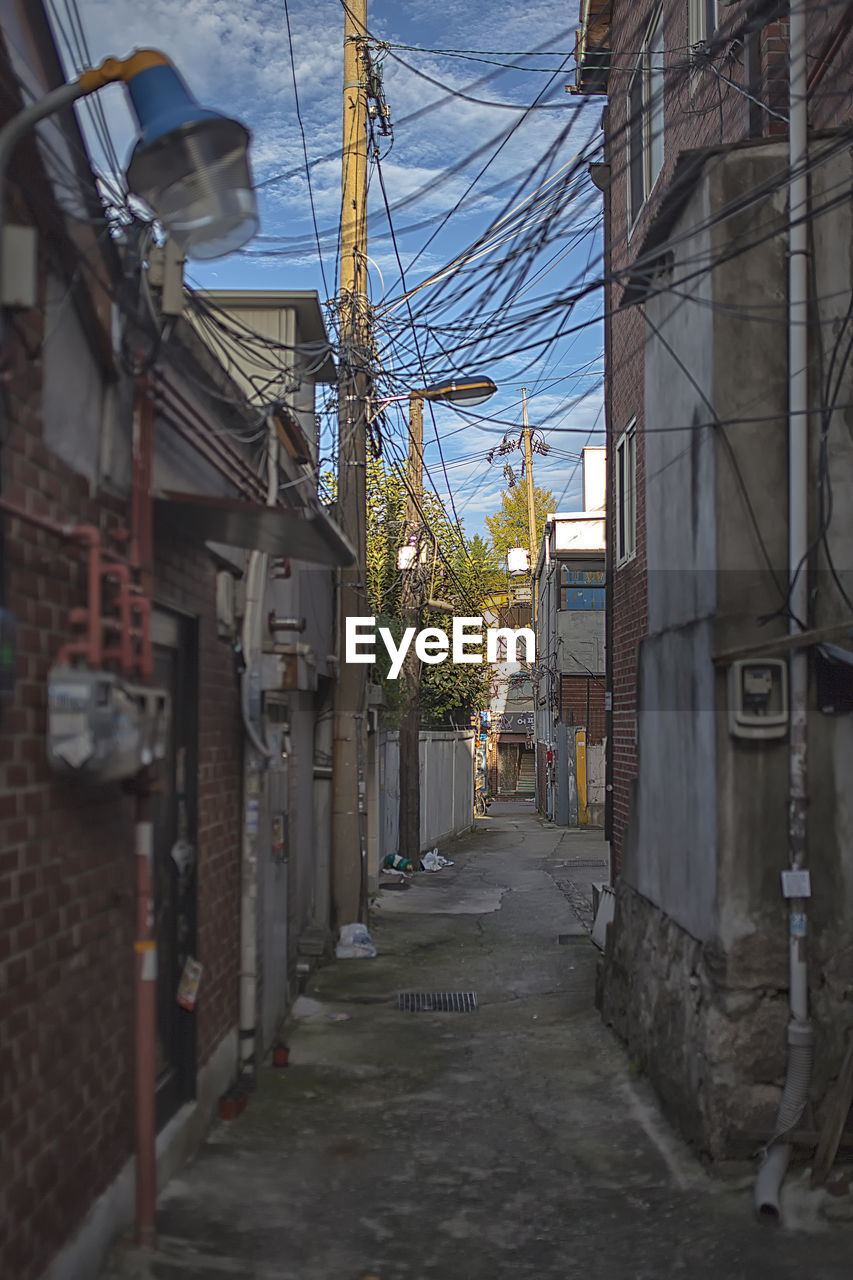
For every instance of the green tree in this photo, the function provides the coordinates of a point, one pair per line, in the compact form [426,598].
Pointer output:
[454,571]
[508,526]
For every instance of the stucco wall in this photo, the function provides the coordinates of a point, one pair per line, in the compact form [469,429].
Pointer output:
[670,855]
[696,971]
[580,641]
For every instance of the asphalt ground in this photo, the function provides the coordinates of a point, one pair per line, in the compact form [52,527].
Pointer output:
[516,1141]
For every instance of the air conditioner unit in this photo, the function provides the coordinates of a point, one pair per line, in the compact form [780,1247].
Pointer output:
[101,728]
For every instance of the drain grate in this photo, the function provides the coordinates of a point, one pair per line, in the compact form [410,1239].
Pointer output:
[584,862]
[437,1001]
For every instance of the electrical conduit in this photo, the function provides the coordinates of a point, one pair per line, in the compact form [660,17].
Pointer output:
[255,747]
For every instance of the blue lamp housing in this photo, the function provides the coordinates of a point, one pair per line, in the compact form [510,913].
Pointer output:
[191,165]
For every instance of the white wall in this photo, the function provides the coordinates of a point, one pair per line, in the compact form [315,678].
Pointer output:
[447,787]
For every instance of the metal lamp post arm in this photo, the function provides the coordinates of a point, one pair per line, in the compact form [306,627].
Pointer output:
[111,70]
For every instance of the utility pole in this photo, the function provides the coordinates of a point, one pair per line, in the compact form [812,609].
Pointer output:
[349,747]
[528,471]
[410,782]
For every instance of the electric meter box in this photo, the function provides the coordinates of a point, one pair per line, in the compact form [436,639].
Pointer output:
[758,698]
[101,728]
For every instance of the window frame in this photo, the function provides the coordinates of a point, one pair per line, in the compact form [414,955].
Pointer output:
[701,13]
[647,161]
[626,495]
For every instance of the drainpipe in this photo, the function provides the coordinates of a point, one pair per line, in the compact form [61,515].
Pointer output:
[256,753]
[323,747]
[800,1030]
[145,948]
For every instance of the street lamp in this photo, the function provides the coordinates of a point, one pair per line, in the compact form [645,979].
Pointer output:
[465,391]
[189,164]
[469,391]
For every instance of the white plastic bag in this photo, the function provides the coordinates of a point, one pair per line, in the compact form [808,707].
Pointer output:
[355,943]
[433,861]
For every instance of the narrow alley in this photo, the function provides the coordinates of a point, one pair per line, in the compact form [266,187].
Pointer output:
[516,1140]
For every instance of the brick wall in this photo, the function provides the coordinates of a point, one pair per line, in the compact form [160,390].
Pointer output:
[67,863]
[582,704]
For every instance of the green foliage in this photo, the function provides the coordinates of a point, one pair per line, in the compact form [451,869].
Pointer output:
[458,573]
[508,526]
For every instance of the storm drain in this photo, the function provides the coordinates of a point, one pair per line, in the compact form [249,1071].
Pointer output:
[437,1001]
[584,862]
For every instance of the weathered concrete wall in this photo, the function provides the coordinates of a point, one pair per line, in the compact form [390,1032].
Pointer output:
[580,641]
[670,855]
[695,975]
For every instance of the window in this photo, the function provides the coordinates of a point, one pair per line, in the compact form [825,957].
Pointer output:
[626,495]
[645,119]
[581,588]
[701,20]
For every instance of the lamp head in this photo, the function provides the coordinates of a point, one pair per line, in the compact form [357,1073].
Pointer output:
[191,165]
[464,391]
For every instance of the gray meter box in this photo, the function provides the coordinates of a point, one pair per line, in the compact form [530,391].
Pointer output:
[102,728]
[758,698]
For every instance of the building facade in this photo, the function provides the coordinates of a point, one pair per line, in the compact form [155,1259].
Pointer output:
[696,180]
[570,602]
[142,544]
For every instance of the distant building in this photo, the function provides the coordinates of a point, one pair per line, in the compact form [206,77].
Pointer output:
[511,768]
[570,595]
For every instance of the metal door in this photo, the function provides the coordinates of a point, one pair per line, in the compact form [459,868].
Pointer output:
[175,861]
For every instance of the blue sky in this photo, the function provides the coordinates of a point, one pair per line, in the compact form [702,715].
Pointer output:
[236,57]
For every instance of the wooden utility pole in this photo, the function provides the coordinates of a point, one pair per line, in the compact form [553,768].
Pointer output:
[410,675]
[528,471]
[350,736]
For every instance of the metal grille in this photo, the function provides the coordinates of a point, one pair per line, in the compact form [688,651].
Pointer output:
[584,862]
[437,1001]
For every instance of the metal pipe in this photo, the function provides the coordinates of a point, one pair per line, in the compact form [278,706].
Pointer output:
[14,130]
[146,1021]
[800,1030]
[254,747]
[284,624]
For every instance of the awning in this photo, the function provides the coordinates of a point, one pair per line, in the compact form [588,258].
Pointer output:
[280,531]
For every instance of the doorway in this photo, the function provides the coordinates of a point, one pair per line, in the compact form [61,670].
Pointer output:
[175,813]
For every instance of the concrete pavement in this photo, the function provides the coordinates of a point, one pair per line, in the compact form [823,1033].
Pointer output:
[515,1141]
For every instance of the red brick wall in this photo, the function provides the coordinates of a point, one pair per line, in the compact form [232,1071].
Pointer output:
[831,96]
[67,864]
[582,704]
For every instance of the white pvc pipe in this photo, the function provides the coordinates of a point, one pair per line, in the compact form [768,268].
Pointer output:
[798,490]
[256,574]
[800,1032]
